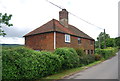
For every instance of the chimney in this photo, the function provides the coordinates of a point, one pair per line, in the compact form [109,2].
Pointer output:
[63,17]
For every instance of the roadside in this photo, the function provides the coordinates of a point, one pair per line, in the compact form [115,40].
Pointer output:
[71,72]
[106,70]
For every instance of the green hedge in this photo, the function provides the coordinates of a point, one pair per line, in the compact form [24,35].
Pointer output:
[69,56]
[86,59]
[106,53]
[23,63]
[97,57]
[80,51]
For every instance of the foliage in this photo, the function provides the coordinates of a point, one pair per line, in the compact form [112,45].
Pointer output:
[80,51]
[86,59]
[110,42]
[101,36]
[97,57]
[4,19]
[117,41]
[101,39]
[104,40]
[70,57]
[23,63]
[106,53]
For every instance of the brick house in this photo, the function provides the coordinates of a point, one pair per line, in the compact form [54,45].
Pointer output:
[55,34]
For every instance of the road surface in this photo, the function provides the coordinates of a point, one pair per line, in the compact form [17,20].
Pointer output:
[105,70]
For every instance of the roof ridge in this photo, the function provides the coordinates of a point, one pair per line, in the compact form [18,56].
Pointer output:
[54,25]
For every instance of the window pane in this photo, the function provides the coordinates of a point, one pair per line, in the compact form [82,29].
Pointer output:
[79,40]
[67,38]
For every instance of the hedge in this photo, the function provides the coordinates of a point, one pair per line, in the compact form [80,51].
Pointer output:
[69,56]
[86,59]
[106,53]
[23,63]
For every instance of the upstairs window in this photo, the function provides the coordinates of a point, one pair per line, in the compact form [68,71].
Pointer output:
[79,41]
[91,42]
[67,38]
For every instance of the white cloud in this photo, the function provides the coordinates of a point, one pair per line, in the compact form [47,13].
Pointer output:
[11,40]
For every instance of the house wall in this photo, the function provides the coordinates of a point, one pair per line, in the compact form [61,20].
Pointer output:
[85,43]
[40,42]
[46,42]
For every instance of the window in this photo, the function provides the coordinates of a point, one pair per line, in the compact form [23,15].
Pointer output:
[91,51]
[91,42]
[79,40]
[88,51]
[67,38]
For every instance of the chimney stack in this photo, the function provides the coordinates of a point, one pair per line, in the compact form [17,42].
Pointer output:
[63,17]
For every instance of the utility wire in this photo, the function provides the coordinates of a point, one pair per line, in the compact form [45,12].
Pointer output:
[85,21]
[55,4]
[75,15]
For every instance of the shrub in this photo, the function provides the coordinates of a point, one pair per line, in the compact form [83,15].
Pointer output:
[23,63]
[86,59]
[80,51]
[106,53]
[69,57]
[98,57]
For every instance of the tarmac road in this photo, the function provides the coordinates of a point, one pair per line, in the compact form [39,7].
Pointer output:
[105,70]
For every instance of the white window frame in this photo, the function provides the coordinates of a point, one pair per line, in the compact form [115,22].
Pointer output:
[67,38]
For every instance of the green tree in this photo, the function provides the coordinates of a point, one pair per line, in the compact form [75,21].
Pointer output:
[4,19]
[110,42]
[117,41]
[102,37]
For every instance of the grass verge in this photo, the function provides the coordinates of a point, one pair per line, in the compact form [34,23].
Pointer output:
[69,72]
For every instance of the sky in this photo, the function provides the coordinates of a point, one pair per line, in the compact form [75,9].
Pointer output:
[31,14]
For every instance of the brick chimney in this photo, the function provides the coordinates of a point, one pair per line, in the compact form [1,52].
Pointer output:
[63,17]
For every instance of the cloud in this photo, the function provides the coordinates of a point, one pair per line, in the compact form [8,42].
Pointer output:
[15,31]
[11,40]
[30,14]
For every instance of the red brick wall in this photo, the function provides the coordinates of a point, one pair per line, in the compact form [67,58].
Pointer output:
[46,42]
[40,42]
[85,43]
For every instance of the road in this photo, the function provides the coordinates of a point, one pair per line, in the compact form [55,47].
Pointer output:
[105,70]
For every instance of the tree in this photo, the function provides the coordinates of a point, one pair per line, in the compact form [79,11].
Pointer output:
[110,42]
[4,19]
[117,41]
[102,37]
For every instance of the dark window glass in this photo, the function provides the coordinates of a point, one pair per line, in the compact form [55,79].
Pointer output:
[91,42]
[79,40]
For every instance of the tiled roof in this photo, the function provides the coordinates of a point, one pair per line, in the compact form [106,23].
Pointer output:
[54,25]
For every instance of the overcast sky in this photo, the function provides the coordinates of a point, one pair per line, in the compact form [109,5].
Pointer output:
[30,14]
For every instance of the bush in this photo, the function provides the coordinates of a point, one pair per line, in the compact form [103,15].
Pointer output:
[23,63]
[86,59]
[80,51]
[106,53]
[69,57]
[98,57]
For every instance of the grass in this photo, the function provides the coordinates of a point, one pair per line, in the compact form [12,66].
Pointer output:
[69,72]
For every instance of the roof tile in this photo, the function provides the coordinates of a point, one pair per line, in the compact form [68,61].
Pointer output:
[54,25]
